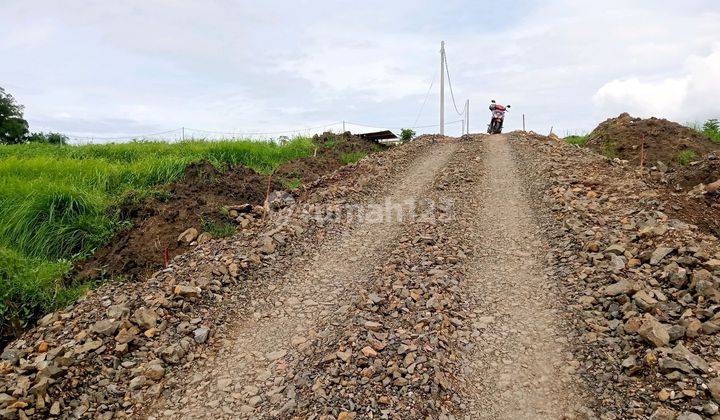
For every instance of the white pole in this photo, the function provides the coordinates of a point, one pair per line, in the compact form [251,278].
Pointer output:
[343,126]
[467,116]
[442,88]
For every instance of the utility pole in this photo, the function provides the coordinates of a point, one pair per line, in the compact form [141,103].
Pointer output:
[467,116]
[442,88]
[343,126]
[183,134]
[523,122]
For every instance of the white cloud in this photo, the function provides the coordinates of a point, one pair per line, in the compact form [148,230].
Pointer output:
[273,65]
[642,98]
[694,95]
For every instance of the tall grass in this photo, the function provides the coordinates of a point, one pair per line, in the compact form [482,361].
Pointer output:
[57,204]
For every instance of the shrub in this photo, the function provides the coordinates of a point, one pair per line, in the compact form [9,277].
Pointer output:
[49,138]
[711,128]
[407,134]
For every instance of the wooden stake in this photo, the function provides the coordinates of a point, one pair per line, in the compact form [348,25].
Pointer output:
[642,151]
[266,205]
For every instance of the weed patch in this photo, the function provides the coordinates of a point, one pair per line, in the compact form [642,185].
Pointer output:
[685,157]
[352,157]
[577,140]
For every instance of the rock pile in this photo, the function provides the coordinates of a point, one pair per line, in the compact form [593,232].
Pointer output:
[644,287]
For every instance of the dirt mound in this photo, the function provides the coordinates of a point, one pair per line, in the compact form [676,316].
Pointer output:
[665,140]
[677,159]
[157,222]
[197,200]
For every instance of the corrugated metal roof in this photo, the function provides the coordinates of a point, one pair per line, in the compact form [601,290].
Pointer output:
[378,135]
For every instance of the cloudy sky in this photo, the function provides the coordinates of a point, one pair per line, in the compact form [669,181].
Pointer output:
[101,68]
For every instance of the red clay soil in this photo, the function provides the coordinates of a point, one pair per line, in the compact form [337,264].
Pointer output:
[197,198]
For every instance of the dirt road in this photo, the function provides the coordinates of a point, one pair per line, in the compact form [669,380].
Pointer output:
[493,277]
[303,351]
[316,287]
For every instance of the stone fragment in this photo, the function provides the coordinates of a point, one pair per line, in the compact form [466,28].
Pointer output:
[188,235]
[201,335]
[660,253]
[621,287]
[186,291]
[145,318]
[105,327]
[654,332]
[368,351]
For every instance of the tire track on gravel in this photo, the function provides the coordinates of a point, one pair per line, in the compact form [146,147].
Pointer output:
[252,371]
[517,368]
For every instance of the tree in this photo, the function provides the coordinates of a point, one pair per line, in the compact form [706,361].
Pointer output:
[13,127]
[406,134]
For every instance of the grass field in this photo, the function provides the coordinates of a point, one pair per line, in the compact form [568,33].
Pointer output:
[57,204]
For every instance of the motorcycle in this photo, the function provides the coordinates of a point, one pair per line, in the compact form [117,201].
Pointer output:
[498,116]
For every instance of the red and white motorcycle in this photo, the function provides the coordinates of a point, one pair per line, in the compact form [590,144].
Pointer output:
[498,116]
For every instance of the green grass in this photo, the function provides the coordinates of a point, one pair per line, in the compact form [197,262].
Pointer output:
[59,203]
[352,157]
[577,140]
[293,183]
[218,229]
[685,157]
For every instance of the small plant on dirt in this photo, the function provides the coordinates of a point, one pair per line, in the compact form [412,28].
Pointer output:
[407,134]
[609,149]
[352,157]
[329,144]
[685,157]
[577,140]
[218,229]
[292,183]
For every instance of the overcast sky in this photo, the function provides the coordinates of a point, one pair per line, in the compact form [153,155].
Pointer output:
[135,66]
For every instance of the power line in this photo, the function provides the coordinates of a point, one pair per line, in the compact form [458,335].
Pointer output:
[426,98]
[452,95]
[126,137]
[399,128]
[242,133]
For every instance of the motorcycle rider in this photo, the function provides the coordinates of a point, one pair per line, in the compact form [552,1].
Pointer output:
[500,110]
[494,106]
